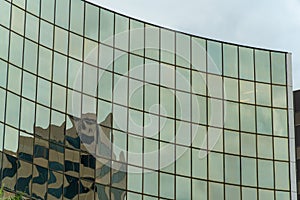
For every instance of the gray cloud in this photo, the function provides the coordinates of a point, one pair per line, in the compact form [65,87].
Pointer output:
[266,24]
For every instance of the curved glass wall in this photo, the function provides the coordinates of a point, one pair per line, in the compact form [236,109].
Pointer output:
[96,105]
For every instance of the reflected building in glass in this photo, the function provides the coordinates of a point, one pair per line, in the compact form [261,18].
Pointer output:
[97,105]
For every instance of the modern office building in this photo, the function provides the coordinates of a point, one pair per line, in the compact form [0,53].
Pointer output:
[297,135]
[97,105]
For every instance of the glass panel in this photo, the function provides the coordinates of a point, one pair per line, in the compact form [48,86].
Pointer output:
[262,66]
[183,163]
[198,82]
[246,63]
[232,192]
[280,122]
[167,132]
[91,52]
[151,183]
[199,164]
[199,54]
[137,37]
[230,59]
[88,104]
[183,187]
[280,148]
[215,112]
[17,20]
[75,46]
[120,90]
[216,191]
[105,80]
[151,152]
[135,124]
[167,46]
[33,23]
[14,79]
[249,193]
[24,178]
[5,13]
[278,68]
[167,185]
[183,50]
[104,109]
[199,109]
[47,12]
[264,120]
[263,94]
[2,104]
[26,147]
[30,56]
[136,67]
[183,106]
[247,117]
[3,73]
[55,185]
[215,139]
[199,189]
[282,175]
[41,152]
[152,71]
[12,109]
[232,169]
[215,86]
[43,93]
[61,40]
[215,165]
[121,62]
[58,97]
[214,56]
[90,80]
[77,16]
[247,92]
[106,57]
[121,32]
[248,167]
[248,144]
[232,140]
[60,69]
[42,121]
[265,174]
[62,13]
[136,94]
[74,74]
[11,139]
[120,117]
[134,180]
[231,89]
[152,42]
[106,26]
[16,49]
[231,115]
[4,34]
[9,172]
[33,6]
[264,147]
[135,146]
[91,21]
[279,96]
[151,98]
[46,34]
[45,63]
[27,116]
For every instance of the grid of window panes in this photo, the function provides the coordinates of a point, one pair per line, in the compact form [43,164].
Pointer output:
[205,90]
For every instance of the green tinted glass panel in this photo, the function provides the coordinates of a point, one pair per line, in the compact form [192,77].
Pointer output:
[47,11]
[45,63]
[214,56]
[77,16]
[60,69]
[264,146]
[16,49]
[263,94]
[230,59]
[199,54]
[246,62]
[30,56]
[91,21]
[33,23]
[215,165]
[264,120]
[121,32]
[12,110]
[17,20]
[167,42]
[262,66]
[231,115]
[29,86]
[280,123]
[282,175]
[46,34]
[247,92]
[183,50]
[5,13]
[248,167]
[278,68]
[62,13]
[61,40]
[232,169]
[33,6]
[279,96]
[247,115]
[248,144]
[265,174]
[4,34]
[152,42]
[232,140]
[14,79]
[106,26]
[231,89]
[281,149]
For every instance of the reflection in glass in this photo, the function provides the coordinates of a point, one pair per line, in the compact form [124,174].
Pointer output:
[264,120]
[262,66]
[12,109]
[278,68]
[91,21]
[248,167]
[214,56]
[230,59]
[265,174]
[246,63]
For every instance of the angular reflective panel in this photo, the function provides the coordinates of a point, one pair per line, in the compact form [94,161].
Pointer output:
[74,74]
[166,185]
[91,52]
[55,185]
[91,21]
[232,140]
[247,92]
[45,63]
[151,151]
[249,193]
[264,120]
[167,101]
[12,109]
[264,147]
[24,178]
[41,152]
[198,54]
[232,192]
[183,165]
[27,116]
[215,85]
[231,115]
[136,92]
[121,62]
[4,43]
[105,58]
[137,36]
[282,175]
[183,187]
[231,89]
[33,23]
[216,191]
[266,194]
[280,148]
[199,189]
[248,144]
[232,169]
[75,46]
[43,92]
[135,124]
[17,20]
[152,42]
[215,112]
[62,13]
[151,98]
[215,166]
[167,130]
[33,6]
[14,79]
[90,80]
[30,56]
[151,183]
[11,139]
[26,147]
[247,116]
[249,171]
[121,32]
[136,67]
[46,34]
[16,49]
[61,40]
[106,26]
[199,109]
[29,86]
[135,146]
[42,121]
[263,94]
[3,73]
[5,13]
[279,96]
[183,47]
[47,10]
[9,171]
[183,106]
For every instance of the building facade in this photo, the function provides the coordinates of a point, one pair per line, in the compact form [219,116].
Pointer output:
[297,134]
[97,105]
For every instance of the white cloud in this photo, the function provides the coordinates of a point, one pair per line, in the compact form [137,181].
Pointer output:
[266,24]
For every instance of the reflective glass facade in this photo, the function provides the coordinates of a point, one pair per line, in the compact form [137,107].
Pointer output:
[96,105]
[297,134]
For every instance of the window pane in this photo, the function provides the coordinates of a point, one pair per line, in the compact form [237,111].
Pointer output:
[17,20]
[58,97]
[248,144]
[33,6]
[198,82]
[183,187]
[216,191]
[151,183]
[265,174]
[249,193]
[16,49]
[152,42]
[11,140]
[33,23]
[231,115]
[137,33]
[106,26]
[264,147]
[248,171]
[215,165]
[12,109]
[214,53]
[2,104]
[77,12]
[215,86]
[279,96]
[280,148]
[280,122]
[232,140]
[247,117]
[90,80]
[231,89]
[199,54]
[14,79]
[167,42]
[167,185]
[247,92]
[46,34]
[61,40]
[121,32]
[27,116]
[62,13]
[232,192]
[91,21]
[246,62]
[30,56]
[75,46]
[282,175]
[43,93]
[278,68]
[263,94]
[230,60]
[5,13]
[199,164]
[264,120]
[45,63]
[47,10]
[232,169]
[262,66]
[60,69]
[4,34]
[183,50]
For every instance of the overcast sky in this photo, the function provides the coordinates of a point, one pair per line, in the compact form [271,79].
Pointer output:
[272,24]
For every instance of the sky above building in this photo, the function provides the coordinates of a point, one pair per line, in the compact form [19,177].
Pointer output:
[266,24]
